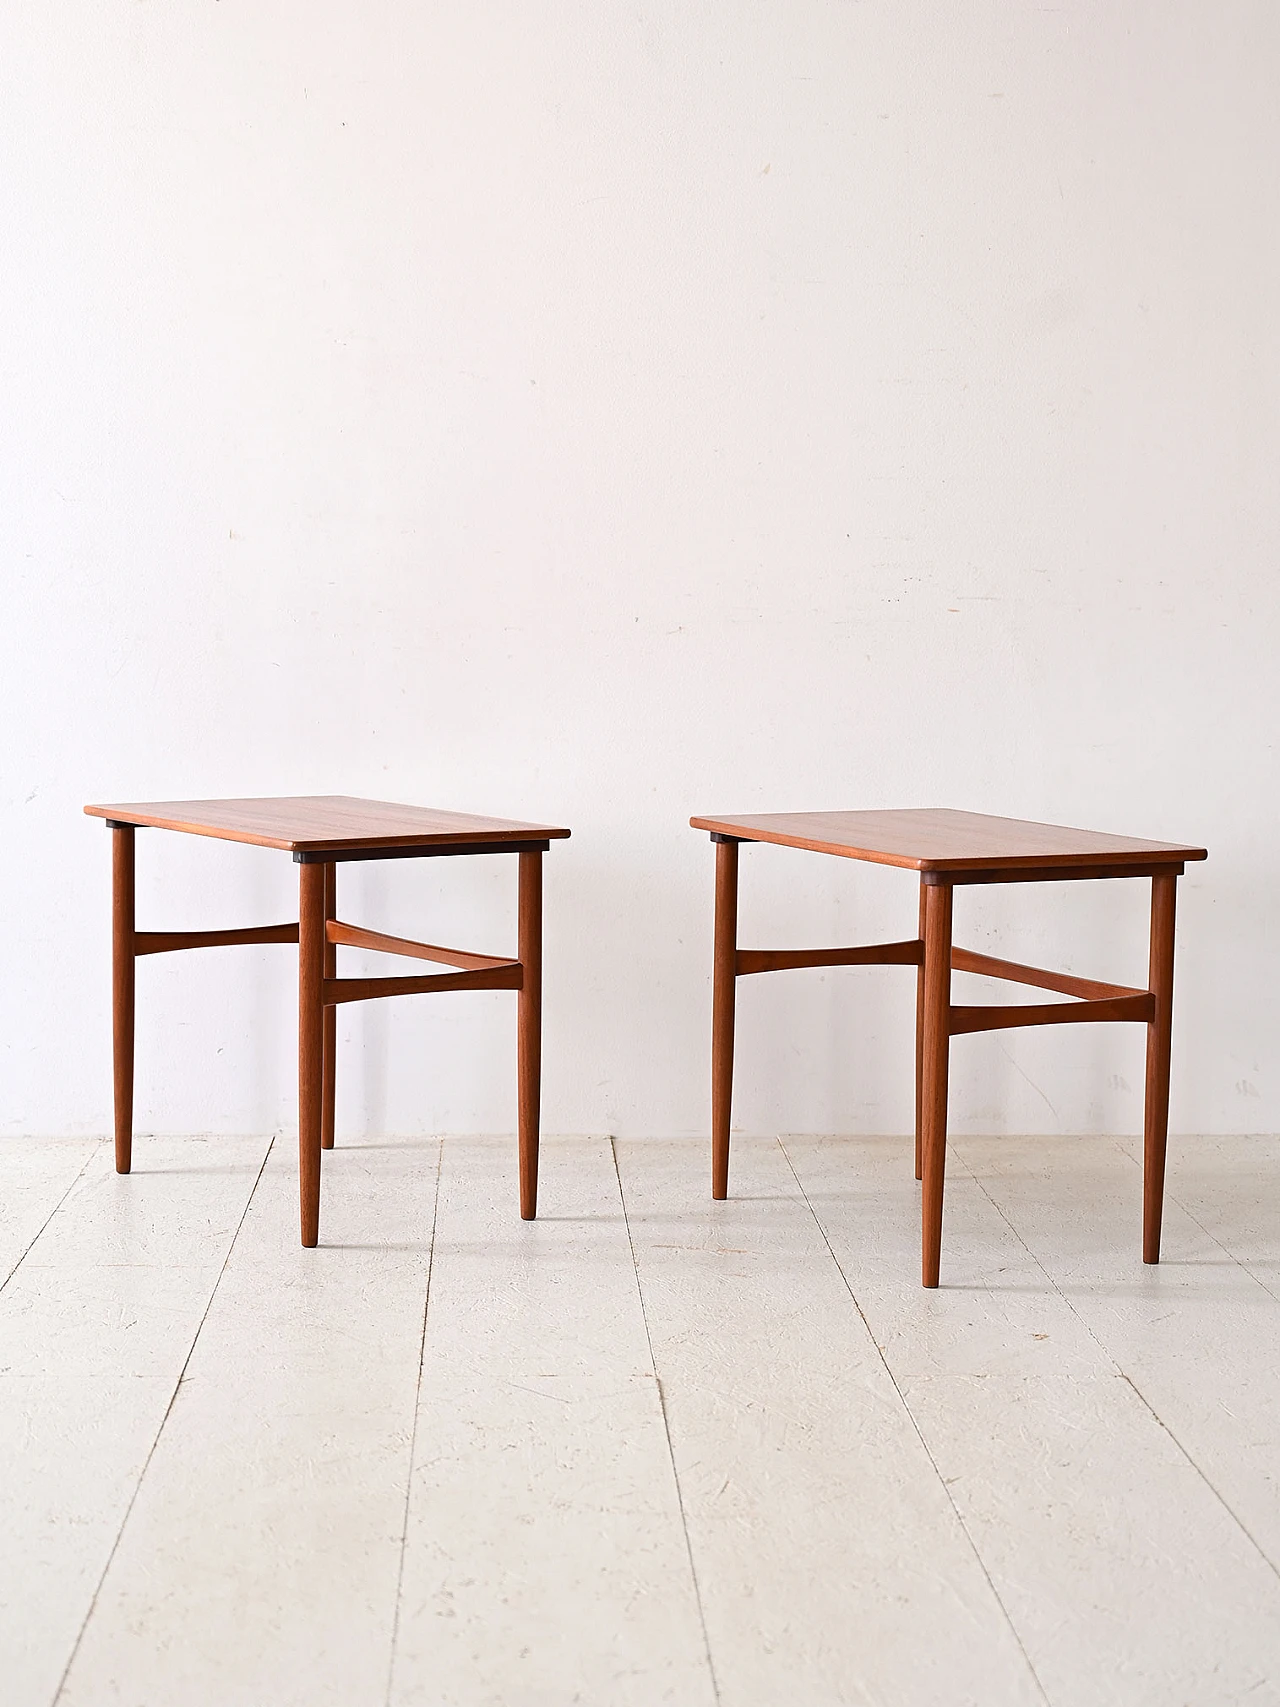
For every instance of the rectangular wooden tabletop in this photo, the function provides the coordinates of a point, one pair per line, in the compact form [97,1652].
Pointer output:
[308,823]
[938,839]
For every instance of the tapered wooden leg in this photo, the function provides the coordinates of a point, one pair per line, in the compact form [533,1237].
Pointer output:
[311,944]
[724,979]
[920,1041]
[529,1023]
[123,969]
[936,1051]
[1155,1125]
[330,1045]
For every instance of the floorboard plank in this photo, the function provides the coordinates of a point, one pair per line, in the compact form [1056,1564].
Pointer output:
[1127,1579]
[35,1175]
[260,1559]
[832,1565]
[545,1559]
[95,1326]
[1199,1334]
[1228,1186]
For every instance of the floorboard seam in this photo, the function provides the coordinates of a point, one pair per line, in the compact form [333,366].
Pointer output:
[1171,1197]
[49,1217]
[1049,1280]
[1233,1515]
[151,1450]
[666,1425]
[1226,1249]
[919,1433]
[1123,1373]
[413,1436]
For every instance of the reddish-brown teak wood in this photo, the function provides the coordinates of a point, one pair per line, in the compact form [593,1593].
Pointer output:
[529,1028]
[724,974]
[123,974]
[321,832]
[933,1085]
[951,849]
[311,953]
[330,1042]
[924,899]
[1155,1123]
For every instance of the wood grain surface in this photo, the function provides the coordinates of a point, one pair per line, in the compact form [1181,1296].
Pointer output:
[938,839]
[308,822]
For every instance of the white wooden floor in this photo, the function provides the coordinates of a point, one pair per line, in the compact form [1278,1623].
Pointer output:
[647,1449]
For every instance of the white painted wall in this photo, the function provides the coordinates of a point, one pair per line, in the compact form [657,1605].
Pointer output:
[603,414]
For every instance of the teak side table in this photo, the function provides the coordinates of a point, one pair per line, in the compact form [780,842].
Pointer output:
[321,832]
[948,849]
